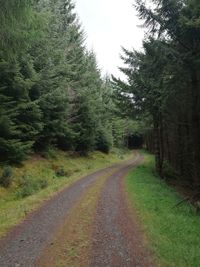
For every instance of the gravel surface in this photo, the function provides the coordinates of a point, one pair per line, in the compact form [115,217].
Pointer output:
[117,240]
[24,243]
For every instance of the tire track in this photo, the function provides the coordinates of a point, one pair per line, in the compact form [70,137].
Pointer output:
[117,239]
[23,244]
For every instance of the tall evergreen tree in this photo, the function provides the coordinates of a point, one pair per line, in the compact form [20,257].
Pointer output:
[163,81]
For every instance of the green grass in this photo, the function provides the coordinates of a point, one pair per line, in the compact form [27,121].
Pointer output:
[173,233]
[38,180]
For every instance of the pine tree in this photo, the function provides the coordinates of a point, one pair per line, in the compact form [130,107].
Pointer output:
[17,131]
[163,85]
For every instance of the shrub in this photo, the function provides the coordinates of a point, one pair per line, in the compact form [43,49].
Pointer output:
[168,170]
[42,184]
[103,141]
[50,153]
[29,187]
[6,177]
[60,172]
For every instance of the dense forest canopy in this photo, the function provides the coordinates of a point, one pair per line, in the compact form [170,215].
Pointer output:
[163,81]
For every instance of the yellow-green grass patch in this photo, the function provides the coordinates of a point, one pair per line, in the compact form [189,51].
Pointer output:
[14,207]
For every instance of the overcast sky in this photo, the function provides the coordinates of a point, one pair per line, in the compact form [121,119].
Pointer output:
[110,24]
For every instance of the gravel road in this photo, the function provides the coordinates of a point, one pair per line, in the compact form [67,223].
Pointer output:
[116,240]
[22,246]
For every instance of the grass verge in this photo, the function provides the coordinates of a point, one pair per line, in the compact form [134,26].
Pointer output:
[173,233]
[40,178]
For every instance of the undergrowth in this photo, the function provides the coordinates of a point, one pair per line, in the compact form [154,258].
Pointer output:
[26,187]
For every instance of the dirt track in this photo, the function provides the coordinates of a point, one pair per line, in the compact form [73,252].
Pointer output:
[116,240]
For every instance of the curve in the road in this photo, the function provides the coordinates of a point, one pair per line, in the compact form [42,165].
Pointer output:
[116,239]
[22,246]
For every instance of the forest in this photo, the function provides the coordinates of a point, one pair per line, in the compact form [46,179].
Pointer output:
[99,170]
[162,89]
[52,93]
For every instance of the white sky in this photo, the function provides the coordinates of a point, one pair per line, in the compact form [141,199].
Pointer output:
[110,24]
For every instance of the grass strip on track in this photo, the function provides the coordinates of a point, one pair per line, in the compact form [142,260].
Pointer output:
[72,243]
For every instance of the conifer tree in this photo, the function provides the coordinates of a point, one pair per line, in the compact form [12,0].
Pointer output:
[163,84]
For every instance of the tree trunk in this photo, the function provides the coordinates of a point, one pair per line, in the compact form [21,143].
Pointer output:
[196,125]
[157,145]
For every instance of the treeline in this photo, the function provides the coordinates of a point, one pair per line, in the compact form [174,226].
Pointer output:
[51,90]
[163,86]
